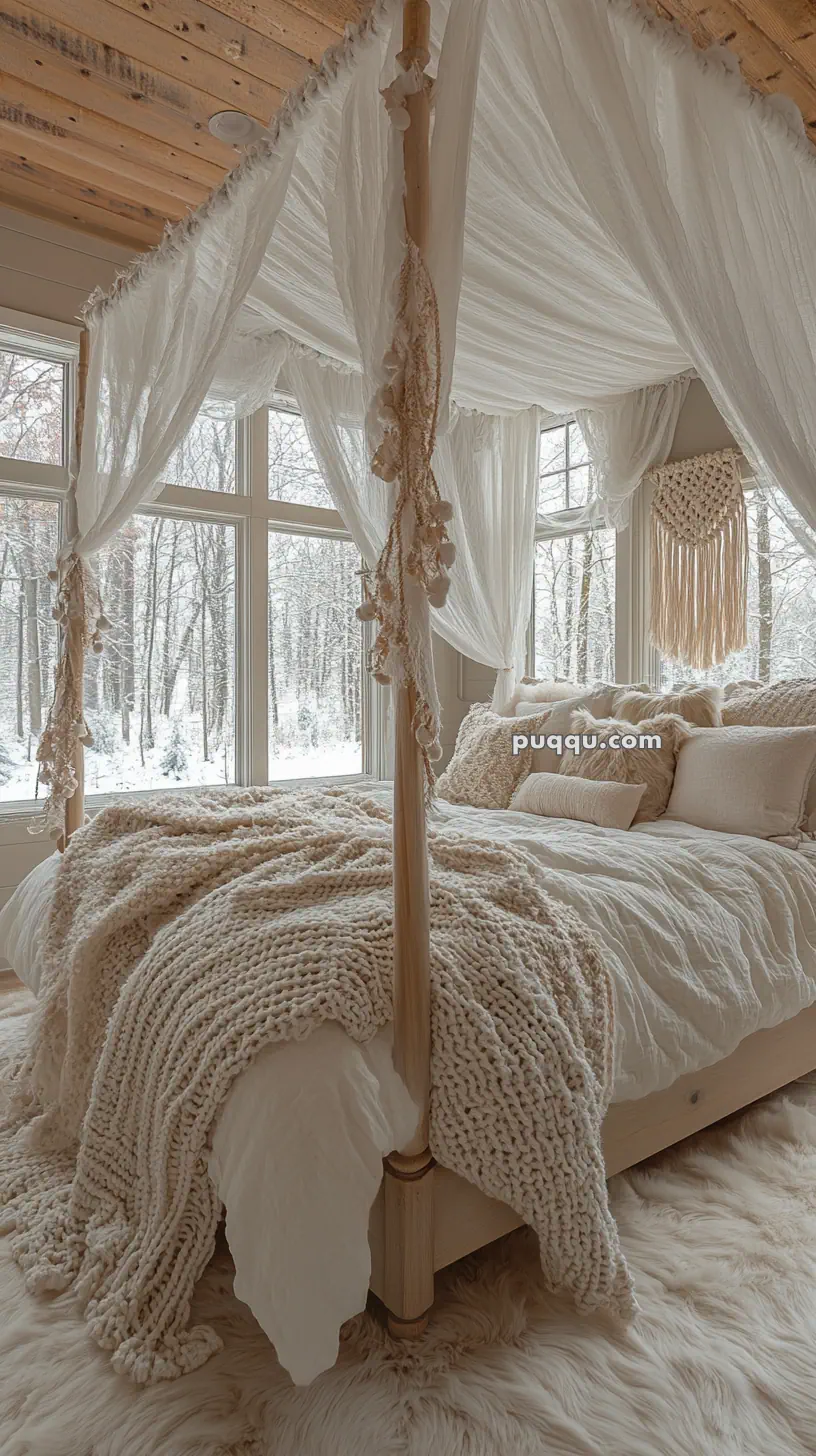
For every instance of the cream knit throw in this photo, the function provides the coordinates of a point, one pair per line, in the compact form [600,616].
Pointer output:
[189,931]
[699,570]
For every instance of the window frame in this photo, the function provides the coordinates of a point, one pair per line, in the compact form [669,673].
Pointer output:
[250,511]
[630,637]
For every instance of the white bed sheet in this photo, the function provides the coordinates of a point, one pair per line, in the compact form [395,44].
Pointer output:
[709,937]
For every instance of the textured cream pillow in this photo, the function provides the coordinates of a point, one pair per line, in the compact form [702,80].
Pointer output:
[699,705]
[484,771]
[653,767]
[745,780]
[613,806]
[789,704]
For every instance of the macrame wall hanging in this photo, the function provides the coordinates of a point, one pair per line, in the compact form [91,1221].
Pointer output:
[699,567]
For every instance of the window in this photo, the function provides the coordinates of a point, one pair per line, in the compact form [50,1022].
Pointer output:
[573,625]
[160,700]
[781,599]
[234,653]
[29,535]
[315,656]
[32,407]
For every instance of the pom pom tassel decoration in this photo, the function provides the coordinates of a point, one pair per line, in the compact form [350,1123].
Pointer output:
[417,552]
[78,603]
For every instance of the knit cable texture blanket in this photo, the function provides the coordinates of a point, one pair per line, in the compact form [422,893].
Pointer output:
[187,932]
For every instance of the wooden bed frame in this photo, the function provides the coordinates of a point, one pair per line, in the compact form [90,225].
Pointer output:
[425,1217]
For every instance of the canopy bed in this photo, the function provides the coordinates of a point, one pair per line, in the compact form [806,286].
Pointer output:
[426,275]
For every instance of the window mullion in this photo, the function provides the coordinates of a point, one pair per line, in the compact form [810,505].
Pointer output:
[256,634]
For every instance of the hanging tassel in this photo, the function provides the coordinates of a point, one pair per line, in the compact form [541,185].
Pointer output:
[699,559]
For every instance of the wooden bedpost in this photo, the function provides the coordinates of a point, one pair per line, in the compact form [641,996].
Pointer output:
[409,1224]
[75,806]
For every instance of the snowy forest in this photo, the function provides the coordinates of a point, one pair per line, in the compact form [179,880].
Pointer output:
[160,700]
[575,585]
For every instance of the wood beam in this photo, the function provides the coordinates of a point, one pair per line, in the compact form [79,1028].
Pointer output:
[111,85]
[58,183]
[40,201]
[223,40]
[80,131]
[92,176]
[124,47]
[281,20]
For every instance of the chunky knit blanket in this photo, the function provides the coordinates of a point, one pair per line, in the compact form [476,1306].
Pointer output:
[187,932]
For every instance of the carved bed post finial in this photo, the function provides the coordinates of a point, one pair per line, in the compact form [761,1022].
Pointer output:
[409,1267]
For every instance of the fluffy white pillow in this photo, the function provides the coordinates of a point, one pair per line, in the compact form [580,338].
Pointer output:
[612,806]
[540,690]
[699,705]
[745,780]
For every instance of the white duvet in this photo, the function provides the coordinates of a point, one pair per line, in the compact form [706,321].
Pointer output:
[709,937]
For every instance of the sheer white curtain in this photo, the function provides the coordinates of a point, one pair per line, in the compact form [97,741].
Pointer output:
[487,466]
[333,406]
[155,351]
[707,196]
[625,438]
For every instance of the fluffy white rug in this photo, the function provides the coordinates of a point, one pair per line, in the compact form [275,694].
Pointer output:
[721,1235]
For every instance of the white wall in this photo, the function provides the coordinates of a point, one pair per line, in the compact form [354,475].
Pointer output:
[49,271]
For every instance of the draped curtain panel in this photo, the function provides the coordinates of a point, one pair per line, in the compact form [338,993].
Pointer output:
[709,198]
[487,467]
[610,208]
[627,438]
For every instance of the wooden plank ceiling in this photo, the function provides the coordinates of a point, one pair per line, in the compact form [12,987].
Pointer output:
[104,104]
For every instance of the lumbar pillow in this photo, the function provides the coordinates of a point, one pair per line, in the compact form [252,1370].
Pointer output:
[613,806]
[652,766]
[484,770]
[745,780]
[789,704]
[700,705]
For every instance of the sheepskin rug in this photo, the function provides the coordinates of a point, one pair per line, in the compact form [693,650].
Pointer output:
[721,1235]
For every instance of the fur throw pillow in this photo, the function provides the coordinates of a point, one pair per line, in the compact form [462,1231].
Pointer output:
[653,767]
[701,706]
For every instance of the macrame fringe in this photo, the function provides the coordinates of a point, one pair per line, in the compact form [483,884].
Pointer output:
[699,560]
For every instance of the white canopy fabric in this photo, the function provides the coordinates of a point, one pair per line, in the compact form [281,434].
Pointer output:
[609,209]
[631,211]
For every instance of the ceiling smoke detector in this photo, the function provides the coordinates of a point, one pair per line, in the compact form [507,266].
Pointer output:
[235,128]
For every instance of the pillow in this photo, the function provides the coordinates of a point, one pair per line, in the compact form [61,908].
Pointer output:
[597,699]
[613,806]
[653,767]
[538,690]
[789,704]
[745,780]
[699,705]
[734,689]
[484,771]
